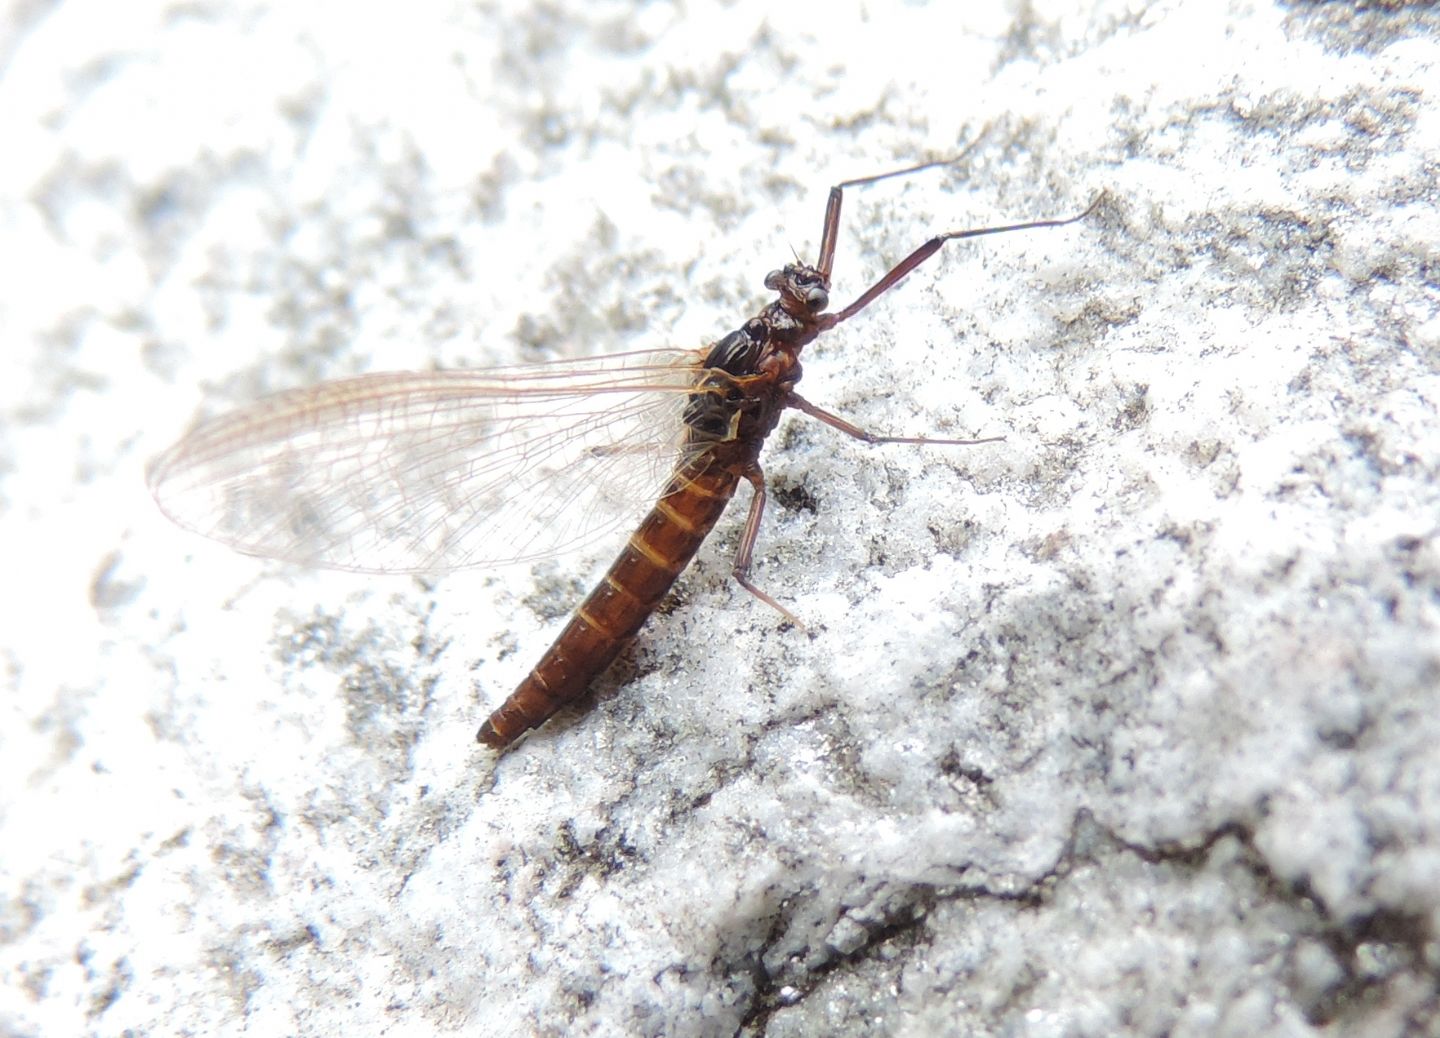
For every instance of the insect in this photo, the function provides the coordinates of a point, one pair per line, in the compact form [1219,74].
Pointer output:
[431,472]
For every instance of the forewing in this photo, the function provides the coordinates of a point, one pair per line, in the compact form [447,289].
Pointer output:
[429,472]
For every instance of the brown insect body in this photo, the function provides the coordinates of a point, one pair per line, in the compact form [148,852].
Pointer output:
[746,382]
[427,472]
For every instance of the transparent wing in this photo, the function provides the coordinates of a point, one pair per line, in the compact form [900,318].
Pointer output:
[427,472]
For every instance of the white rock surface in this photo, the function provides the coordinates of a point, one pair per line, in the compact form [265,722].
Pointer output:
[1124,725]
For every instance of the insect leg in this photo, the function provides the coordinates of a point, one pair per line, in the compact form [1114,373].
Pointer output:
[804,406]
[756,476]
[929,249]
[831,230]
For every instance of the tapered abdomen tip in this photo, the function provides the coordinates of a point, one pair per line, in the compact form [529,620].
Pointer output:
[491,738]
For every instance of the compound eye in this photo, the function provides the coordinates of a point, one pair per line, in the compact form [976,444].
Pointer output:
[815,298]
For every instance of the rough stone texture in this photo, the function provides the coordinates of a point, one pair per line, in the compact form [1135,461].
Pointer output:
[1124,725]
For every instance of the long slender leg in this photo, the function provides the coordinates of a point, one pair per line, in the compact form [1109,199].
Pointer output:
[929,249]
[804,406]
[756,477]
[831,231]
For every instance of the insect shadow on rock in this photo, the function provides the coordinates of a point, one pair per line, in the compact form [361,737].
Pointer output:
[429,472]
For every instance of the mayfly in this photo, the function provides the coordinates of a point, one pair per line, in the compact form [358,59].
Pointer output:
[432,472]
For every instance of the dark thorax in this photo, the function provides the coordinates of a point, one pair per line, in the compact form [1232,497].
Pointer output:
[747,376]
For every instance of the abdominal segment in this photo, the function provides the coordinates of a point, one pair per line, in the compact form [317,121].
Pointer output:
[614,612]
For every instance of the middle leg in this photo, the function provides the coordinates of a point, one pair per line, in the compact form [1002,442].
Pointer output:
[804,406]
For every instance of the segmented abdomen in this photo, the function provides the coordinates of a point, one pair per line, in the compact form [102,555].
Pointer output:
[614,612]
